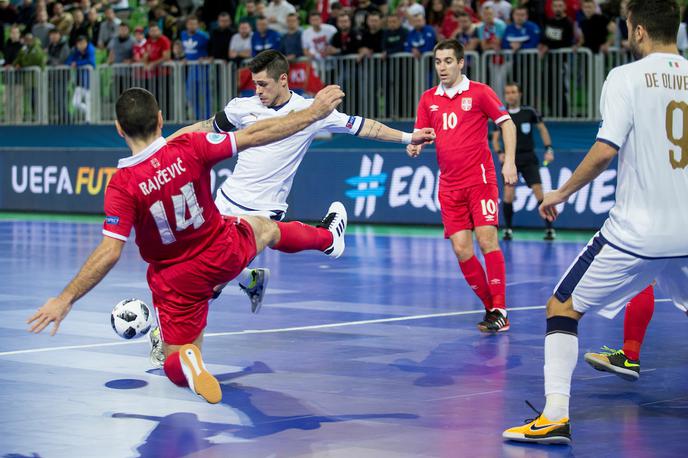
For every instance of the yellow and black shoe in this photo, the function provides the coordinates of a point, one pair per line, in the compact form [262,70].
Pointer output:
[616,362]
[540,430]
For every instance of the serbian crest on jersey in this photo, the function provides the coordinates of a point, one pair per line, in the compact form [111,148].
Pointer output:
[466,104]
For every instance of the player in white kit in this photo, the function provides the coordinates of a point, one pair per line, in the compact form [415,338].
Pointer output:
[645,121]
[263,177]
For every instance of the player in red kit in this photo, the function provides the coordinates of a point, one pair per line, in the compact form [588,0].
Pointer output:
[163,191]
[458,109]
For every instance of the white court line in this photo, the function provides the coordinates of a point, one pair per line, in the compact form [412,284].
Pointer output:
[270,331]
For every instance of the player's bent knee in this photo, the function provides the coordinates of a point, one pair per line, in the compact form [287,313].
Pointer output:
[265,231]
[557,308]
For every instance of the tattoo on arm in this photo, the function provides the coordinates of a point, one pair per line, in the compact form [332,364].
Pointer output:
[208,124]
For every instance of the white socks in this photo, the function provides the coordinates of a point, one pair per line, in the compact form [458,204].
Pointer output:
[561,356]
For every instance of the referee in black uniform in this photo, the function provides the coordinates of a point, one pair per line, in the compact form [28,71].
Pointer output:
[527,163]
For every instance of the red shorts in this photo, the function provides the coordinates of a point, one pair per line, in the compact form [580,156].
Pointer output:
[181,291]
[468,208]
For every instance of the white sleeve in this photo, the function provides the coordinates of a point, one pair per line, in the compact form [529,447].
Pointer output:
[340,123]
[616,109]
[234,112]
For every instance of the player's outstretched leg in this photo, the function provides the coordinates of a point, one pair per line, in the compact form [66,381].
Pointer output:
[292,237]
[626,362]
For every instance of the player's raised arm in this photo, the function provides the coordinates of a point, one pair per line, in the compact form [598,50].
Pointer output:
[98,264]
[201,126]
[375,130]
[272,130]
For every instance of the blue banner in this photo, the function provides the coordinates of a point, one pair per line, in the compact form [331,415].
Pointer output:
[376,185]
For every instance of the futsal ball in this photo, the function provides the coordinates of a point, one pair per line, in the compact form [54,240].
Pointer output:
[131,319]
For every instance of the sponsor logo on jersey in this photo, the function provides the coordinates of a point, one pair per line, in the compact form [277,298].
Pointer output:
[350,122]
[434,107]
[215,139]
[112,220]
[466,103]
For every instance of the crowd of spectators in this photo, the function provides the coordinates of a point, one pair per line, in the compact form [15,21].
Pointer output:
[43,32]
[84,34]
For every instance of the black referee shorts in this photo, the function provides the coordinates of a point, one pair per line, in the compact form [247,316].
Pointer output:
[528,166]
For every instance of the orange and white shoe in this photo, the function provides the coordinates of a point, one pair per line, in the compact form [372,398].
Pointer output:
[201,382]
[541,430]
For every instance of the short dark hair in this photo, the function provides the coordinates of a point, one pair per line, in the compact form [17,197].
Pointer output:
[137,113]
[515,84]
[450,44]
[375,13]
[153,24]
[314,13]
[273,62]
[660,18]
[81,38]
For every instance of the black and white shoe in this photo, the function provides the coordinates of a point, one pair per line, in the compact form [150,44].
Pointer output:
[335,222]
[508,234]
[550,235]
[494,321]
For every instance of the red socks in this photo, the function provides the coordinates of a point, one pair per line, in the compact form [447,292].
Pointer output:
[475,276]
[496,278]
[173,370]
[638,315]
[296,236]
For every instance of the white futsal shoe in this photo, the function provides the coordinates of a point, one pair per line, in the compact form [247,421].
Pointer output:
[335,222]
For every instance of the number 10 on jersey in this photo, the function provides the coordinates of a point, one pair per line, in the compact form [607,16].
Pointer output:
[449,121]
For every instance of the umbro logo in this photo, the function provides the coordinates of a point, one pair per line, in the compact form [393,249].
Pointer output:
[434,107]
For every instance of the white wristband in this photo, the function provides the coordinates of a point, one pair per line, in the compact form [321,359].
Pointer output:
[406,138]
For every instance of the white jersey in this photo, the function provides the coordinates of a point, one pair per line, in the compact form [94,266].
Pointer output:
[645,116]
[263,175]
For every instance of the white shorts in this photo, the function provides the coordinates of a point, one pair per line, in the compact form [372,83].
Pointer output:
[228,207]
[606,277]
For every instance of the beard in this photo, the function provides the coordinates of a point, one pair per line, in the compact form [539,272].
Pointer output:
[635,48]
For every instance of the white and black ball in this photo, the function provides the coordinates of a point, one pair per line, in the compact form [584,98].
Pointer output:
[131,319]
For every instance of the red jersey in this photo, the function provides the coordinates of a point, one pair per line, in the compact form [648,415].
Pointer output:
[156,48]
[164,193]
[459,117]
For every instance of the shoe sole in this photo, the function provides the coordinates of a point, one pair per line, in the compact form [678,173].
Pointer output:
[492,331]
[552,440]
[201,382]
[603,366]
[255,308]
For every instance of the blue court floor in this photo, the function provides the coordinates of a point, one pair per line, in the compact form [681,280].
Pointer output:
[372,355]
